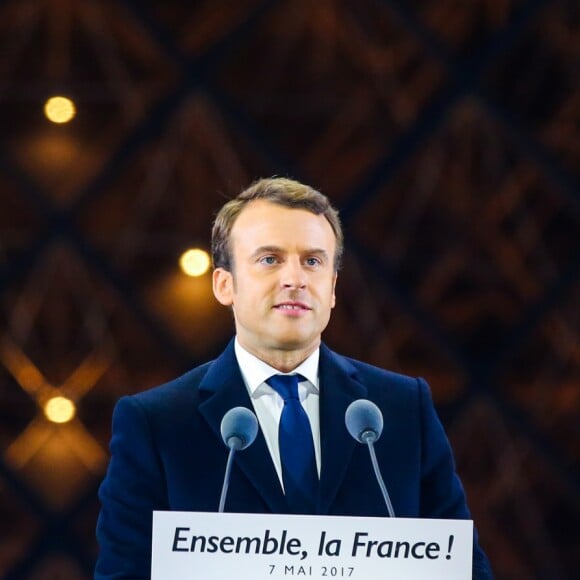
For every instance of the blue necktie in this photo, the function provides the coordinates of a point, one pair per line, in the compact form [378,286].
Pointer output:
[296,447]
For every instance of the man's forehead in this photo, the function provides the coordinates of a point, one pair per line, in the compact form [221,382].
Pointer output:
[264,223]
[264,215]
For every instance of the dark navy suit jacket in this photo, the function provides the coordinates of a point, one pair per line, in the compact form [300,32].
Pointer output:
[167,454]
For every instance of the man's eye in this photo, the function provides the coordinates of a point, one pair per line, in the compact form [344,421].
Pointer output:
[269,260]
[313,261]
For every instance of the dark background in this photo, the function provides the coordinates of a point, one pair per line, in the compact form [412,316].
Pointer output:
[448,134]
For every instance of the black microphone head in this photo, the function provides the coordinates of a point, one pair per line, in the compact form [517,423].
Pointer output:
[363,417]
[239,423]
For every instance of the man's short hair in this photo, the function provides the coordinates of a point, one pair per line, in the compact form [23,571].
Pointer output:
[279,190]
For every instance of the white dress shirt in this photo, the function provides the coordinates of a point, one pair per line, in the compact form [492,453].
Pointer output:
[268,404]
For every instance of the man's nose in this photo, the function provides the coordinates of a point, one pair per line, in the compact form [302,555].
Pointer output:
[292,275]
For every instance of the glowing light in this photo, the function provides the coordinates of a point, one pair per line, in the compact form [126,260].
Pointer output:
[59,410]
[59,109]
[195,262]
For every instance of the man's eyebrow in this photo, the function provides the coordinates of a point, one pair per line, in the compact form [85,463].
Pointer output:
[278,250]
[266,250]
[319,251]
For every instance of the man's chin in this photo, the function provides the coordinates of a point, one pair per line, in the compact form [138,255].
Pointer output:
[294,343]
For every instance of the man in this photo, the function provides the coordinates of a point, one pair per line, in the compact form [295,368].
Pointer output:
[276,251]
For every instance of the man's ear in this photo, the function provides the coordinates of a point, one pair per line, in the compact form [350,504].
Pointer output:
[333,303]
[223,286]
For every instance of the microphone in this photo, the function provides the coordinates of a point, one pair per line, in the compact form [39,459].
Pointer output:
[364,422]
[239,428]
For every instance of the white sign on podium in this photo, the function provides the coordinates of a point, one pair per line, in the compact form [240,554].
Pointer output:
[218,546]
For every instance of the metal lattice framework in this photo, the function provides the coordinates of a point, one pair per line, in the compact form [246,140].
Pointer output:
[446,132]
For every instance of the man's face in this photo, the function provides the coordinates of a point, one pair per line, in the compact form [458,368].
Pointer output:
[282,284]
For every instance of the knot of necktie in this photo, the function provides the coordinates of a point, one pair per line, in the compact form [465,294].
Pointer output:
[285,385]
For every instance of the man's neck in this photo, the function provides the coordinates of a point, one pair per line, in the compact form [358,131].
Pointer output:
[284,361]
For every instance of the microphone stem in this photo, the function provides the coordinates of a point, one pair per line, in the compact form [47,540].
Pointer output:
[380,478]
[227,479]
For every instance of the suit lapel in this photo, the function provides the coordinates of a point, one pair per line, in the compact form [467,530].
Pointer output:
[223,389]
[338,388]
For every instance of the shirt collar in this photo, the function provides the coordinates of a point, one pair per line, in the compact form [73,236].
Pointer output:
[255,371]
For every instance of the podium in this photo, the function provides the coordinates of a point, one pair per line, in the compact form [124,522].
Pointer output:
[218,546]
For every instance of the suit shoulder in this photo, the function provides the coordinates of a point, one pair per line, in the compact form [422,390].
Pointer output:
[182,387]
[372,372]
[389,386]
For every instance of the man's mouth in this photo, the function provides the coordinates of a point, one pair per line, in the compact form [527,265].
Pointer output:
[292,306]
